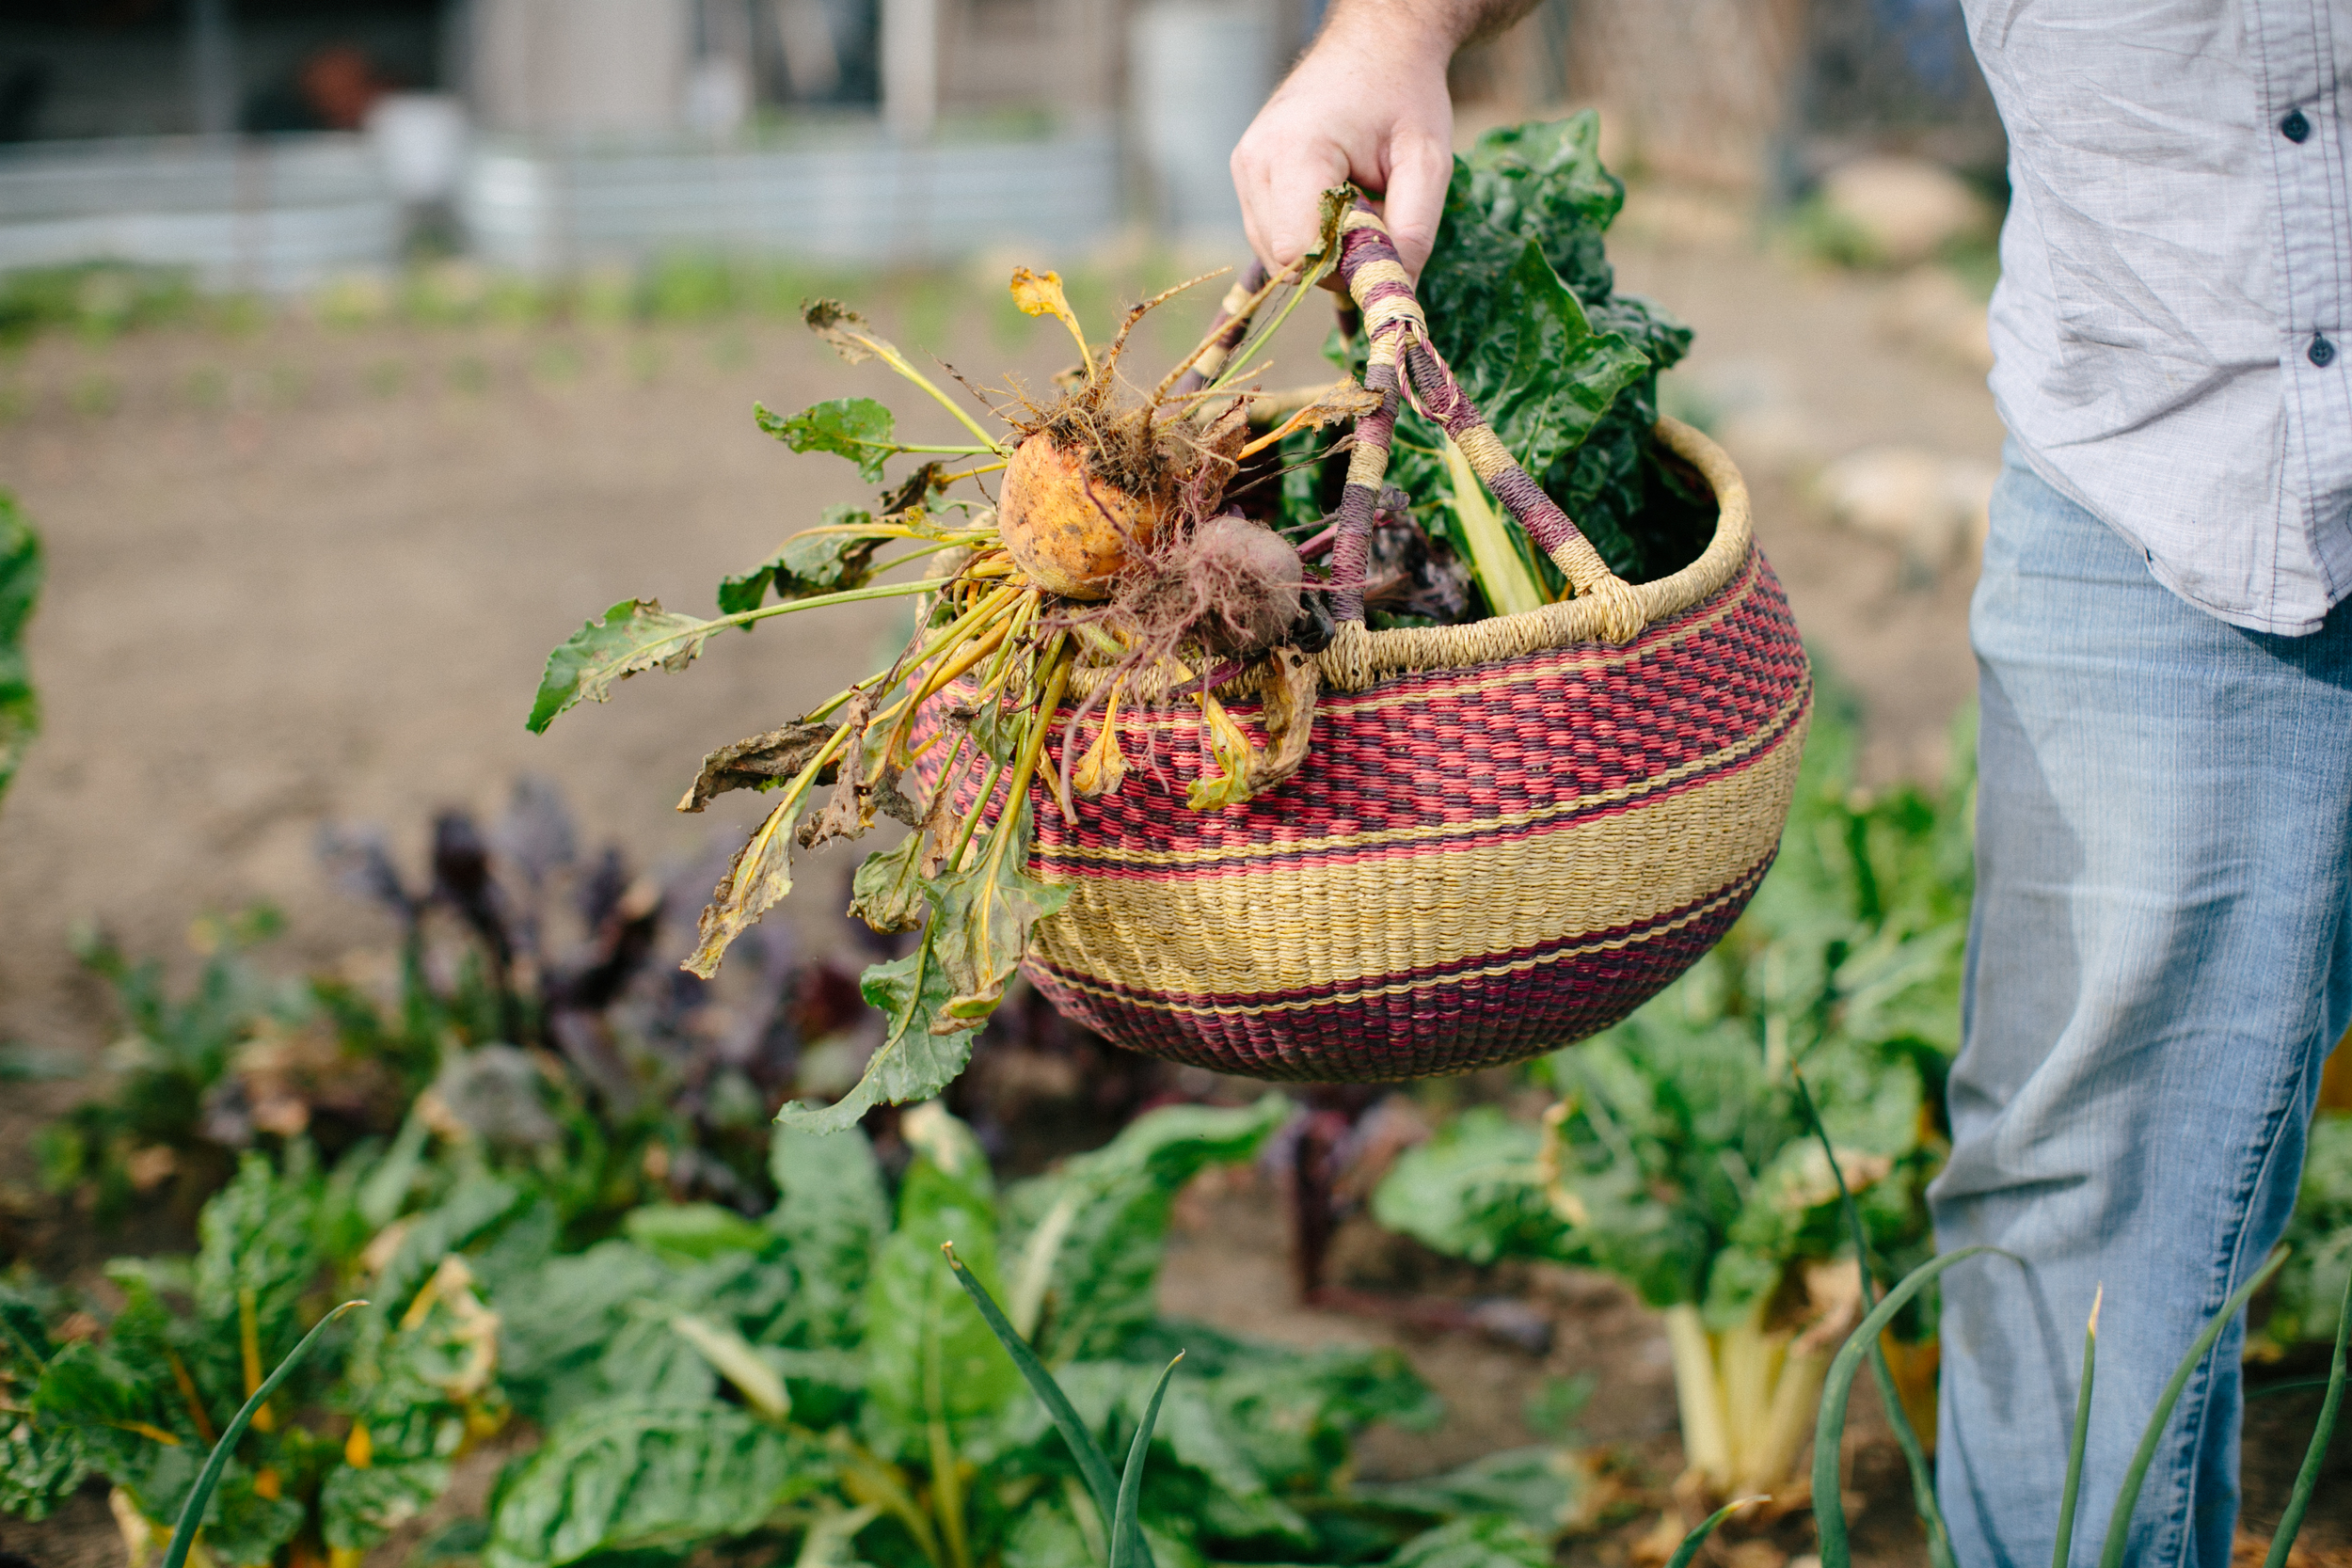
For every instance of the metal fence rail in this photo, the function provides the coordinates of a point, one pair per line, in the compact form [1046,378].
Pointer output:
[270,213]
[549,211]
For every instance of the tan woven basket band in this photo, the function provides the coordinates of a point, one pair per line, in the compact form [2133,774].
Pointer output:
[1610,872]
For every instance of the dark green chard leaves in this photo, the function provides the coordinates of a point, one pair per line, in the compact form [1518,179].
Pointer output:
[1519,293]
[619,1477]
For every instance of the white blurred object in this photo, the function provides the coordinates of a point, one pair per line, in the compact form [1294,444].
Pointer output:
[580,67]
[1931,505]
[421,138]
[718,95]
[1200,69]
[1908,208]
[1930,309]
[812,61]
[910,67]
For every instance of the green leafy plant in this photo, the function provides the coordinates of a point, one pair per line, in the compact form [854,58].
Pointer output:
[1479,1541]
[1681,1156]
[829,1370]
[2303,1309]
[320,1459]
[1522,305]
[20,590]
[526,1008]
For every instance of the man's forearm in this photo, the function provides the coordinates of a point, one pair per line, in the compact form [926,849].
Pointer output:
[1447,24]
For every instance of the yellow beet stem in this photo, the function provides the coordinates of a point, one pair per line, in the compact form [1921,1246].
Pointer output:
[888,353]
[1058,658]
[1159,393]
[951,665]
[1509,587]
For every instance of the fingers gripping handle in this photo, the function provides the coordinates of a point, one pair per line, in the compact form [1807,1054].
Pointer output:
[1400,355]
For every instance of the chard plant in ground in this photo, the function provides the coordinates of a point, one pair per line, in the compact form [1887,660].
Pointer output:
[813,1378]
[1681,1156]
[337,1449]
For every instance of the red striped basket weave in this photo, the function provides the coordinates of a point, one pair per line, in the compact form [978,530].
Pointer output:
[1507,836]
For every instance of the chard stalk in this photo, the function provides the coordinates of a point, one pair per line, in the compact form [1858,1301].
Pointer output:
[1705,1441]
[1502,576]
[1796,1400]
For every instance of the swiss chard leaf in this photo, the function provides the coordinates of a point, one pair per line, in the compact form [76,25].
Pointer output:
[1533,365]
[20,587]
[692,1232]
[833,1212]
[1541,1489]
[1472,1192]
[1483,1541]
[858,428]
[635,635]
[359,1508]
[620,1476]
[1093,1231]
[828,558]
[928,1354]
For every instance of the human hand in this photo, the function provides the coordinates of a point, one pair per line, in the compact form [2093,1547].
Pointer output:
[1368,103]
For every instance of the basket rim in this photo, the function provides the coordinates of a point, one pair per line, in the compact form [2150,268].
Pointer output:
[1358,657]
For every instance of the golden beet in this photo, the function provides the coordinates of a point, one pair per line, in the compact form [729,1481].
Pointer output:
[1069,529]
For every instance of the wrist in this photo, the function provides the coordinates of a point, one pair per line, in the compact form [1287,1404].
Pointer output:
[1401,34]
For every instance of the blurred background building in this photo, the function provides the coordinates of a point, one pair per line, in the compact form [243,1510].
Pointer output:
[270,143]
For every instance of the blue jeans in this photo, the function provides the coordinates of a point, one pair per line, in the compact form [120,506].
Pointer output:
[2159,962]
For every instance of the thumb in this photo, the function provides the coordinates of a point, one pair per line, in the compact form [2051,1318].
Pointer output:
[1419,169]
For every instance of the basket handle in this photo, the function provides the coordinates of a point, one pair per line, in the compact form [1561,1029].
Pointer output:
[1401,360]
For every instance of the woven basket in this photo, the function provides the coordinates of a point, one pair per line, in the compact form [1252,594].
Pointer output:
[1507,836]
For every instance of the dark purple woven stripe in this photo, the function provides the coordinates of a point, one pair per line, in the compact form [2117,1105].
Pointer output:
[1351,543]
[1521,495]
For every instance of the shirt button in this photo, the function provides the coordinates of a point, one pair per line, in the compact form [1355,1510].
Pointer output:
[2295,127]
[2323,353]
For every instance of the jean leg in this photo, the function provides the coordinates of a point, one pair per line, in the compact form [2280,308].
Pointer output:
[2158,963]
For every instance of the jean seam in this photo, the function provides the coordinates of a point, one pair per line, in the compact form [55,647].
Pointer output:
[2175,1535]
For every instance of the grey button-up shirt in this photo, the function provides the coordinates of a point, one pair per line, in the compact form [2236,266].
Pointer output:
[2170,328]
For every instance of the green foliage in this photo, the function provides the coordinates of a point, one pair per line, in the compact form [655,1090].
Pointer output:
[2311,1288]
[20,589]
[94,299]
[188,1350]
[634,636]
[622,1477]
[1521,306]
[1473,1191]
[858,428]
[906,1441]
[809,563]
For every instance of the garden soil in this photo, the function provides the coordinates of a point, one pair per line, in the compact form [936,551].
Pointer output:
[304,576]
